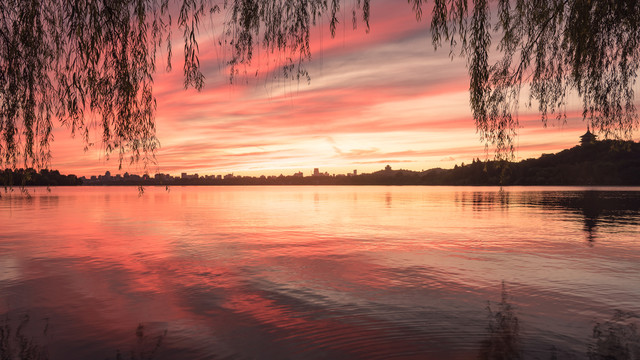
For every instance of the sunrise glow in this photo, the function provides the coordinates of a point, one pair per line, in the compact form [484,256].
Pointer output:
[374,99]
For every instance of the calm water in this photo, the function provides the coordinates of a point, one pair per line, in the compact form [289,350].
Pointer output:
[321,272]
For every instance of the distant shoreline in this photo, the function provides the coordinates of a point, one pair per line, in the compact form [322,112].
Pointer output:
[600,163]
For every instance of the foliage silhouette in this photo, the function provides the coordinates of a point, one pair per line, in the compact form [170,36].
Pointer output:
[31,177]
[617,338]
[16,344]
[146,348]
[554,47]
[91,63]
[503,340]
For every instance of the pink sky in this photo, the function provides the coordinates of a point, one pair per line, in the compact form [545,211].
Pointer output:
[374,99]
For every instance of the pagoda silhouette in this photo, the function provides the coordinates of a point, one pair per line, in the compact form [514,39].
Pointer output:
[588,138]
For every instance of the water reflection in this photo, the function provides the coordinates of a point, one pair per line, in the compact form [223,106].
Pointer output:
[489,200]
[592,208]
[615,339]
[146,347]
[596,207]
[22,338]
[320,272]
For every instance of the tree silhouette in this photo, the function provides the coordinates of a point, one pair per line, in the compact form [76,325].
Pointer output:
[91,63]
[554,47]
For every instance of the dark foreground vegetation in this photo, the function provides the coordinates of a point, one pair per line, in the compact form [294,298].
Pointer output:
[616,338]
[608,162]
[20,341]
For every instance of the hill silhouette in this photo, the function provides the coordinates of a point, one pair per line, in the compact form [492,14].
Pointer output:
[608,162]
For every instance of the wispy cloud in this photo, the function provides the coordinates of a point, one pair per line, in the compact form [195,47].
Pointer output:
[373,98]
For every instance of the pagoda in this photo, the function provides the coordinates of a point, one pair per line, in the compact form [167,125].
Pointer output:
[588,138]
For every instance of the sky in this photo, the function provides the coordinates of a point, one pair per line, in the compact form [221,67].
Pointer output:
[377,98]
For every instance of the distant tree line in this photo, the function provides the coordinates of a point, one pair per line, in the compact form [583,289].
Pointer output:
[31,177]
[608,162]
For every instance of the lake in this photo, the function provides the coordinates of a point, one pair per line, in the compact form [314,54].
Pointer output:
[320,272]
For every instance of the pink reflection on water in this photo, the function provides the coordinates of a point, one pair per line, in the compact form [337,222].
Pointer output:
[340,271]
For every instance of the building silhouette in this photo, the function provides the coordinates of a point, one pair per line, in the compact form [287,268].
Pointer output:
[588,138]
